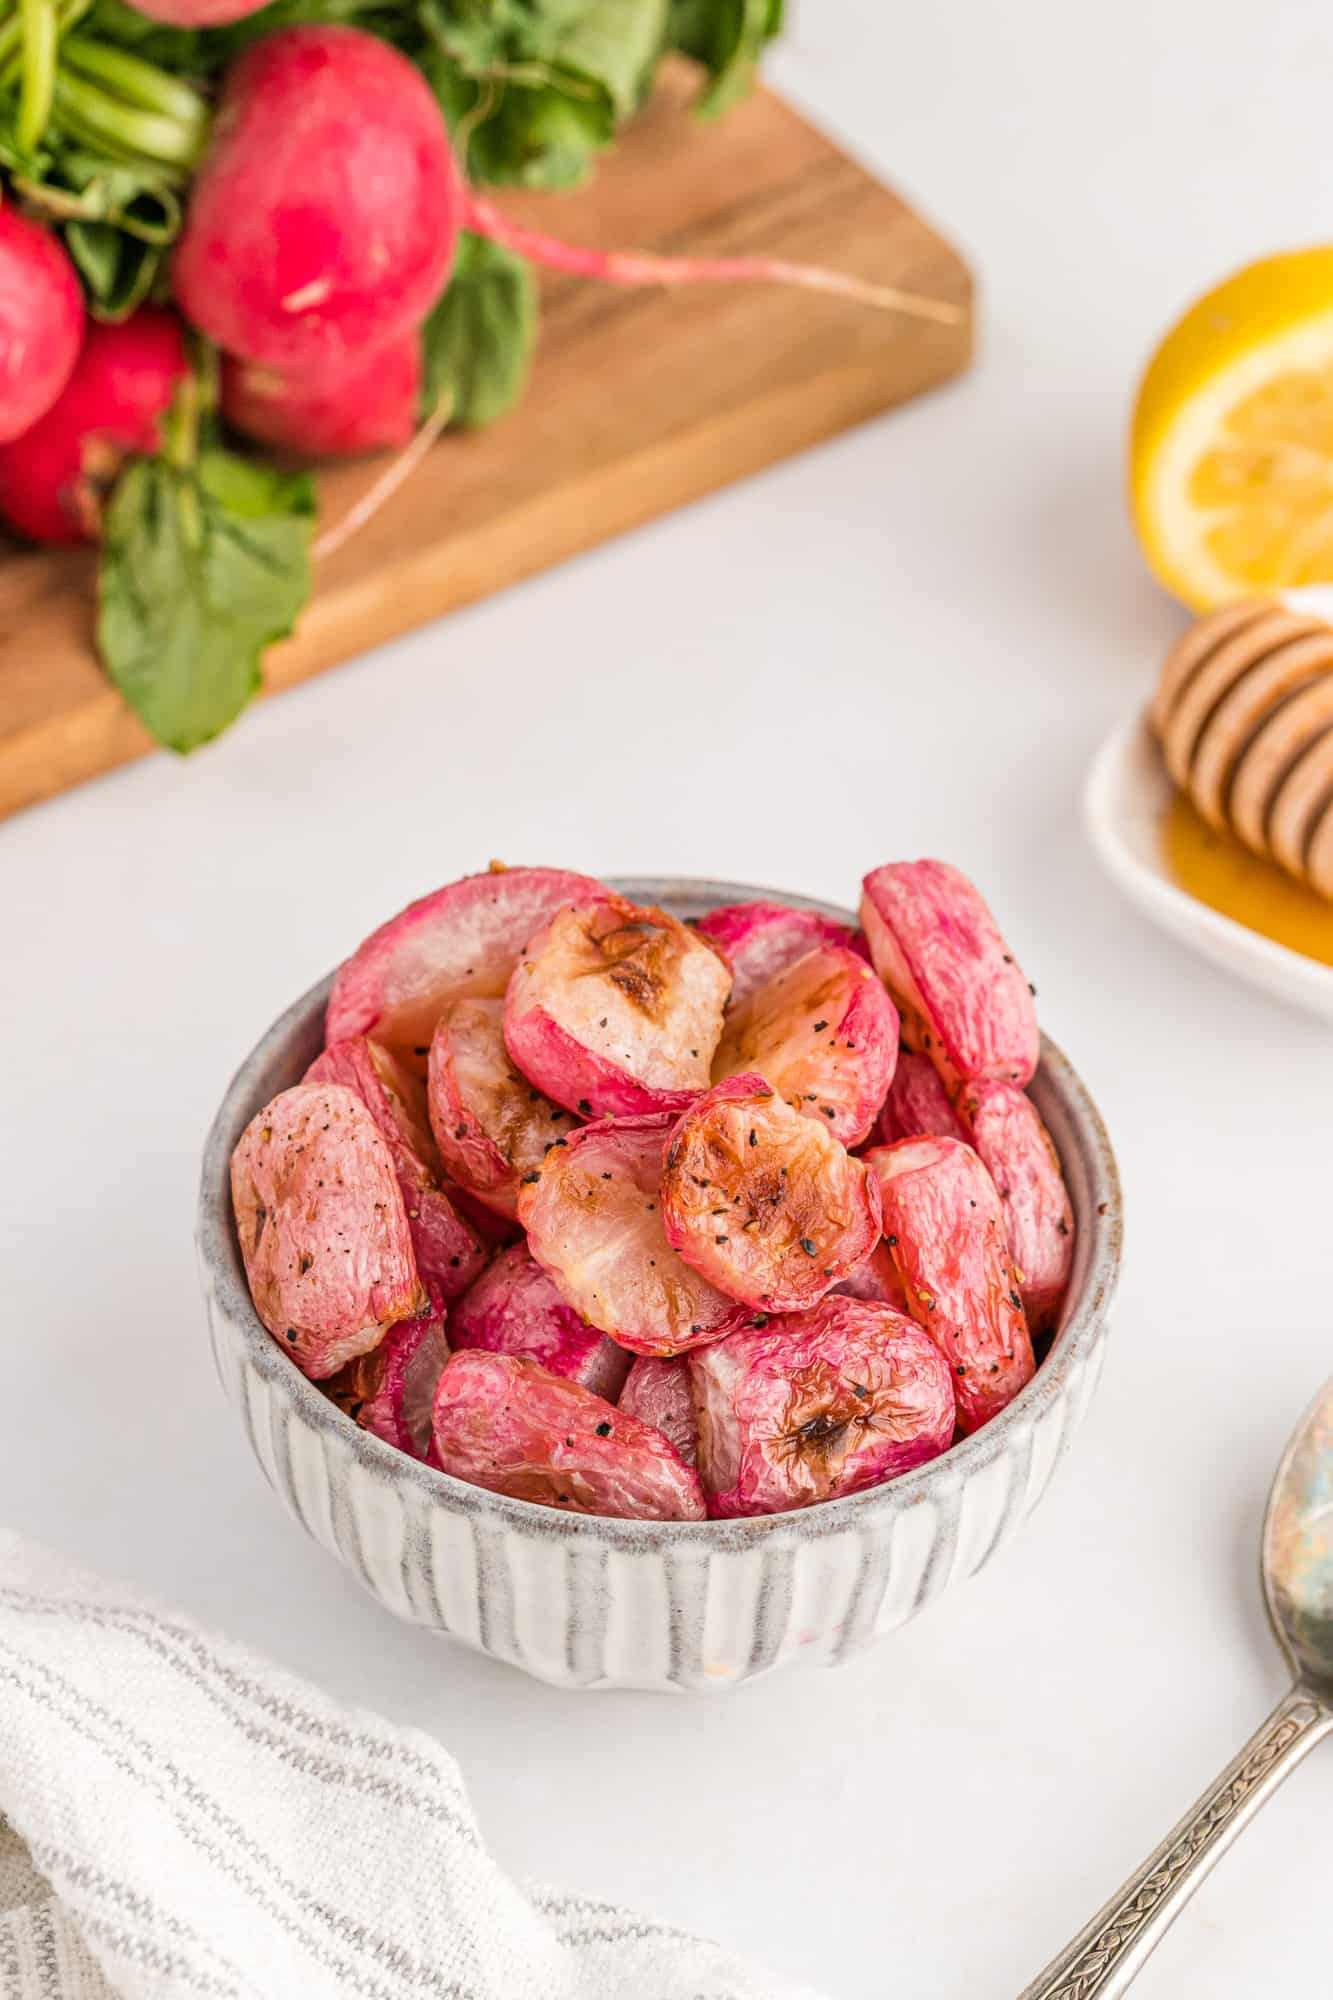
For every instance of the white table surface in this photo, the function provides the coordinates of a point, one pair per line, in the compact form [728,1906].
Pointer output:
[908,642]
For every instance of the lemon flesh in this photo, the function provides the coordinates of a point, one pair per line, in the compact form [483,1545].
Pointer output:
[1231,453]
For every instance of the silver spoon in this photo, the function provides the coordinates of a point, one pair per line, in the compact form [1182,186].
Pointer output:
[1297,1561]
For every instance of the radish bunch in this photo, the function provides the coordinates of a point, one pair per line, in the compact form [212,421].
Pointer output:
[718,1264]
[339,282]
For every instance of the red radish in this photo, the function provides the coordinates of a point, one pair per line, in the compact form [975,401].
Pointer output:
[515,1308]
[763,939]
[368,406]
[824,1033]
[197,13]
[323,221]
[657,1391]
[41,322]
[918,1106]
[391,1390]
[120,389]
[945,1224]
[461,941]
[503,1422]
[817,1405]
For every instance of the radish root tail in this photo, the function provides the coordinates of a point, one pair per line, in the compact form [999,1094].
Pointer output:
[394,475]
[615,267]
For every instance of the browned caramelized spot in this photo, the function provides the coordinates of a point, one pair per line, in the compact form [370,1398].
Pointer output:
[783,1208]
[552,1488]
[823,1422]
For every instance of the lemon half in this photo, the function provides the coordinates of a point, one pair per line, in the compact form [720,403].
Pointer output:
[1231,452]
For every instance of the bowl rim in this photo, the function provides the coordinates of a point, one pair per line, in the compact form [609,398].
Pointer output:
[223,1276]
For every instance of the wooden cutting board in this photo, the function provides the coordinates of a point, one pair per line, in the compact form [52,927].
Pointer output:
[639,402]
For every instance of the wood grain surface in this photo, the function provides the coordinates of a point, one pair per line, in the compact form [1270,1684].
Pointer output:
[640,401]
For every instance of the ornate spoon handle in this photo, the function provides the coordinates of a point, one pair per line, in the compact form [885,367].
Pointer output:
[1109,1952]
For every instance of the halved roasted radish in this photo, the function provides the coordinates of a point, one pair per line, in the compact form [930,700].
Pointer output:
[917,1106]
[391,1390]
[657,1391]
[824,1033]
[763,1203]
[944,1223]
[449,1251]
[763,939]
[322,1227]
[462,939]
[963,999]
[594,1221]
[1016,1149]
[616,1009]
[491,1125]
[514,1308]
[818,1405]
[508,1425]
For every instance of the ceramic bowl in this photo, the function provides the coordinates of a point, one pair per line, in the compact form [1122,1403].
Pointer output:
[590,1603]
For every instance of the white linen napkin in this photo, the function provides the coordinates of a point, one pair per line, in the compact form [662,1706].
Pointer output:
[186,1820]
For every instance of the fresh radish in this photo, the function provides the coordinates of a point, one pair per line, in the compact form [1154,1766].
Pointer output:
[371,404]
[41,322]
[51,477]
[324,219]
[197,13]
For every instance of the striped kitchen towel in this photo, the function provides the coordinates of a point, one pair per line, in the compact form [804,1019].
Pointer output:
[184,1819]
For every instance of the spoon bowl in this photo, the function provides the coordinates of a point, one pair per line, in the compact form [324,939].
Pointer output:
[1297,1554]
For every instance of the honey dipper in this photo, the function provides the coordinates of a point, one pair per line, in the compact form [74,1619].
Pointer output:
[1244,714]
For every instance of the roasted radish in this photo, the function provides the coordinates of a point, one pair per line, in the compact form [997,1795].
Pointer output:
[763,1203]
[449,1252]
[391,1390]
[824,1033]
[514,1308]
[917,1106]
[509,1425]
[876,1280]
[964,1000]
[463,939]
[816,1406]
[322,1227]
[945,1225]
[490,1124]
[613,1009]
[594,1221]
[1016,1149]
[657,1391]
[763,939]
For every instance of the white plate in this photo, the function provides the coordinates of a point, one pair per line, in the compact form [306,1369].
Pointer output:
[1126,794]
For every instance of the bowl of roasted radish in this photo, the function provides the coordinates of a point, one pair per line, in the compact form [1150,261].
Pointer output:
[653,1284]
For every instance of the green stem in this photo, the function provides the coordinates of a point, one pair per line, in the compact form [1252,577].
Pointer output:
[93,138]
[180,429]
[208,379]
[134,81]
[100,120]
[40,30]
[11,56]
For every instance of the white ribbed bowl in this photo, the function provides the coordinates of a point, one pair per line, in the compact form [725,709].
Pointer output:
[584,1602]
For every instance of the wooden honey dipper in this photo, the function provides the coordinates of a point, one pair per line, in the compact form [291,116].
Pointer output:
[1244,714]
